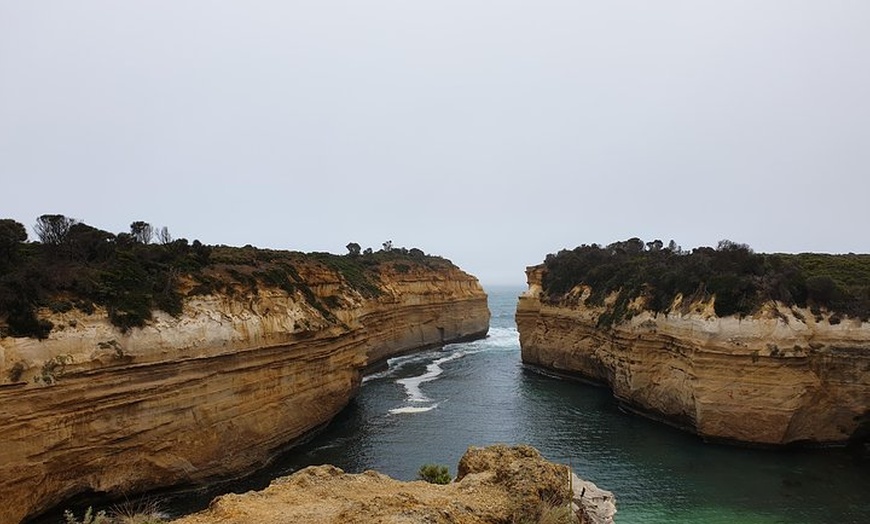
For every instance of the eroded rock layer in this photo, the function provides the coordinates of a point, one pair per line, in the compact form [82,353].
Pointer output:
[495,485]
[781,376]
[212,393]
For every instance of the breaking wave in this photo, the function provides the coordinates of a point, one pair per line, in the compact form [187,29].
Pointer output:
[499,339]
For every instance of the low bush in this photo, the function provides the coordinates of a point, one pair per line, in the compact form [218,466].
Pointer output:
[88,518]
[15,372]
[53,369]
[739,279]
[83,267]
[434,474]
[129,513]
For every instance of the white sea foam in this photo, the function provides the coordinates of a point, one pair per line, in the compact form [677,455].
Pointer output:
[412,409]
[413,357]
[396,363]
[499,339]
[374,376]
[502,338]
[433,370]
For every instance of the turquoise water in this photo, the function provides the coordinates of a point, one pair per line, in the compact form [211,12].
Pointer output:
[431,406]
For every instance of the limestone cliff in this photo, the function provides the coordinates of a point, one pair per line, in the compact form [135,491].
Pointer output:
[496,484]
[213,392]
[781,375]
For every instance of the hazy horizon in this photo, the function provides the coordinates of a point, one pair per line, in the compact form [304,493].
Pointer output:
[487,133]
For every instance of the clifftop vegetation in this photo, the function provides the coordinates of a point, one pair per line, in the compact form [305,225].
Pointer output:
[131,274]
[739,279]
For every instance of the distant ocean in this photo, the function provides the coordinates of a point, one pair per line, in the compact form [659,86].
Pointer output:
[429,407]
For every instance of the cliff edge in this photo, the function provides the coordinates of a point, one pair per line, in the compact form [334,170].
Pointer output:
[496,484]
[260,353]
[779,374]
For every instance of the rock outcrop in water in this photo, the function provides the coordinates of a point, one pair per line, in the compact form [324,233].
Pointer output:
[780,375]
[216,391]
[495,485]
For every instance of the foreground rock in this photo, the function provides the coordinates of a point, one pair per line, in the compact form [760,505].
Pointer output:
[214,392]
[782,375]
[496,484]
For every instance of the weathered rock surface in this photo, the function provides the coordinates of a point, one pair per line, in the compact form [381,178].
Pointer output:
[592,504]
[213,393]
[781,376]
[496,484]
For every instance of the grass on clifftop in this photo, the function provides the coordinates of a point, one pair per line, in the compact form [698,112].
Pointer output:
[74,265]
[739,279]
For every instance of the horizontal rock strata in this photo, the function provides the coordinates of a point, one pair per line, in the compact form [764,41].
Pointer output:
[212,393]
[781,376]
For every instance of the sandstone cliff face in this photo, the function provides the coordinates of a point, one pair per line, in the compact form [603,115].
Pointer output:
[495,485]
[775,378]
[212,393]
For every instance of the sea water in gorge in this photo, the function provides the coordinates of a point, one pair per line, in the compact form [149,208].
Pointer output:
[430,406]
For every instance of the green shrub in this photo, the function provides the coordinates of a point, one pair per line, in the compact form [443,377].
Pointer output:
[16,371]
[60,306]
[542,512]
[140,513]
[557,515]
[80,266]
[53,369]
[88,518]
[25,324]
[332,301]
[356,271]
[434,474]
[738,279]
[147,512]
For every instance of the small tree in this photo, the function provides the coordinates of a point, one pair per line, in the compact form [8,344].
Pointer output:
[353,249]
[655,245]
[434,474]
[163,236]
[12,234]
[822,290]
[53,229]
[388,245]
[89,517]
[142,232]
[633,245]
[728,245]
[88,243]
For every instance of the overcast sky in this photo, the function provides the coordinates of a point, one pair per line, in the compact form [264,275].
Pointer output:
[491,133]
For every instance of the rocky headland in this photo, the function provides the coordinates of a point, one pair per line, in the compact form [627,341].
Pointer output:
[261,349]
[494,485]
[768,368]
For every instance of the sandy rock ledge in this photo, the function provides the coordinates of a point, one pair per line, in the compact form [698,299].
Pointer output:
[496,484]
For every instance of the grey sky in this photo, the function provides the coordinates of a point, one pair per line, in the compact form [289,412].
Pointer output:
[491,132]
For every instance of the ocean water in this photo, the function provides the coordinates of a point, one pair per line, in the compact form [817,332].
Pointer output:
[429,407]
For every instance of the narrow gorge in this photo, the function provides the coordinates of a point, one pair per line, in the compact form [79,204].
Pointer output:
[265,348]
[772,367]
